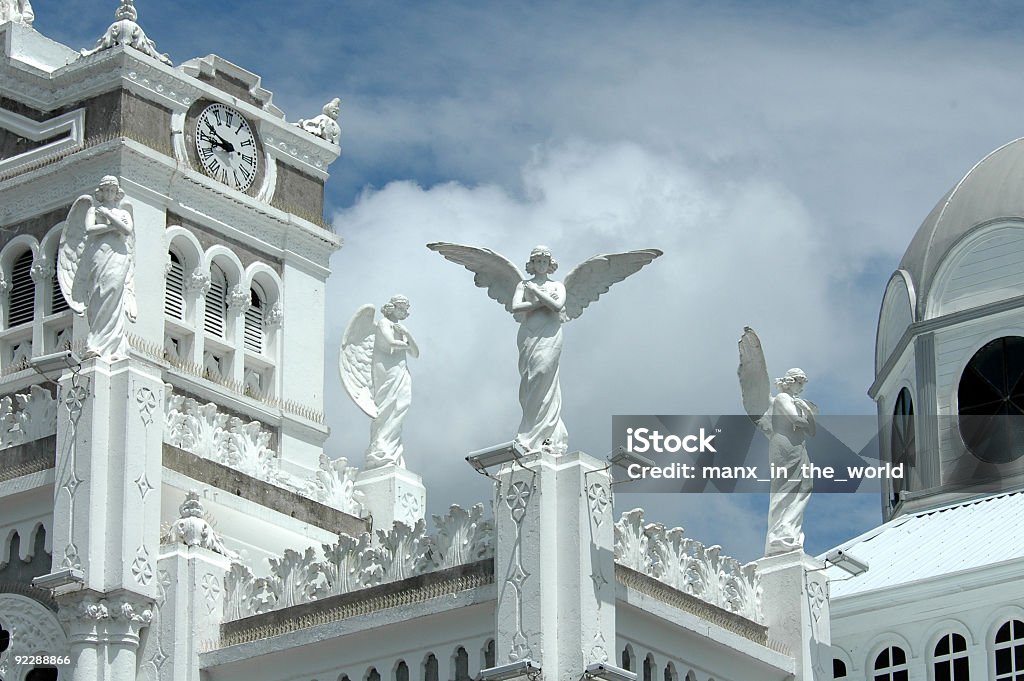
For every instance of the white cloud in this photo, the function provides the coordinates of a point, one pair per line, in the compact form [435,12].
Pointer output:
[664,341]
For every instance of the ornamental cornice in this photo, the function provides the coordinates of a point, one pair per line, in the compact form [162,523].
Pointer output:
[152,176]
[171,87]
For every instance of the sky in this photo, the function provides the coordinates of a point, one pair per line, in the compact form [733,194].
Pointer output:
[781,155]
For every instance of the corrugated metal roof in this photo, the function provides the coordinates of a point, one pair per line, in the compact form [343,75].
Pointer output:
[931,543]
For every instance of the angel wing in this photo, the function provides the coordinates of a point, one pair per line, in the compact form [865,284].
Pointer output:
[591,278]
[72,245]
[494,272]
[356,359]
[131,305]
[753,375]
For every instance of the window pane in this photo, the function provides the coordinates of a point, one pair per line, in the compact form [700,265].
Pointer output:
[882,661]
[942,671]
[943,646]
[1004,633]
[898,656]
[838,669]
[901,676]
[1003,660]
[961,670]
[959,643]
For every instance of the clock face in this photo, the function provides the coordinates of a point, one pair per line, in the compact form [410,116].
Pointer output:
[226,146]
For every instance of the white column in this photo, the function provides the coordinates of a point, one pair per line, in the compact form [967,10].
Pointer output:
[795,600]
[554,564]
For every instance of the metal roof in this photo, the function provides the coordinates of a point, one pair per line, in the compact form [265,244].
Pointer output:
[919,546]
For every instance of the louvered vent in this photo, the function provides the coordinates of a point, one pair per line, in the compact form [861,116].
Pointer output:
[174,290]
[23,291]
[216,303]
[254,323]
[57,302]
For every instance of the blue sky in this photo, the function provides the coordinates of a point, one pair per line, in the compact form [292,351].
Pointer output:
[781,154]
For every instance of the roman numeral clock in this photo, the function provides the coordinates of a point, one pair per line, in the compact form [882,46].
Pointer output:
[225,146]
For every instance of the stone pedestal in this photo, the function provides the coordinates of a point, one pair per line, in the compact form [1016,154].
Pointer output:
[106,516]
[795,600]
[554,564]
[188,613]
[392,493]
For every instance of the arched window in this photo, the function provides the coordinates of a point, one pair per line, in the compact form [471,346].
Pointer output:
[372,674]
[42,674]
[254,320]
[670,672]
[174,288]
[22,301]
[489,654]
[991,389]
[902,442]
[951,659]
[1009,651]
[461,665]
[57,302]
[216,303]
[430,668]
[891,665]
[627,659]
[838,668]
[648,668]
[402,671]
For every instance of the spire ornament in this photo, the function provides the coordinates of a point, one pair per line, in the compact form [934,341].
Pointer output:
[17,11]
[125,31]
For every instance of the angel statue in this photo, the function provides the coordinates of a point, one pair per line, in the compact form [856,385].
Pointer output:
[374,372]
[96,267]
[787,420]
[541,305]
[18,11]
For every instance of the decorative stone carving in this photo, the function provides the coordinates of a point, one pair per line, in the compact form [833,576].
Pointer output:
[787,420]
[239,300]
[41,271]
[32,627]
[325,126]
[192,529]
[274,317]
[198,281]
[687,565]
[405,551]
[125,31]
[96,267]
[354,563]
[27,416]
[135,612]
[298,578]
[373,370]
[18,11]
[334,486]
[541,305]
[463,536]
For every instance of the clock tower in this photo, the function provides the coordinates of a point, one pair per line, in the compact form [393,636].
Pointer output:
[112,466]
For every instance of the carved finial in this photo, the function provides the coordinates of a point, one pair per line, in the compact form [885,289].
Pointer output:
[125,31]
[192,528]
[17,11]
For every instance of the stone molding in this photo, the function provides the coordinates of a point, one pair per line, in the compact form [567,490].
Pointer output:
[411,591]
[730,621]
[688,566]
[206,431]
[355,563]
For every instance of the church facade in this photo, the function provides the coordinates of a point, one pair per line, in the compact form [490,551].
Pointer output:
[167,510]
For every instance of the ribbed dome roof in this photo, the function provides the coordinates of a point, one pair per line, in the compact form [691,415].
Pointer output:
[991,190]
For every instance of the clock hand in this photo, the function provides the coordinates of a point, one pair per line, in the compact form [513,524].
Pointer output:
[223,143]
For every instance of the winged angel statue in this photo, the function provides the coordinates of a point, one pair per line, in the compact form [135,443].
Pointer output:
[541,305]
[374,372]
[96,267]
[787,420]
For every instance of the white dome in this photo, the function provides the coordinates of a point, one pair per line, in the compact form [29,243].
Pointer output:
[992,190]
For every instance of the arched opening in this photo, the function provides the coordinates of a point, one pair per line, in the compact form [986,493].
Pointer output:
[991,391]
[402,671]
[627,658]
[901,443]
[253,336]
[838,668]
[216,303]
[891,665]
[1009,652]
[461,664]
[950,661]
[22,300]
[174,287]
[430,668]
